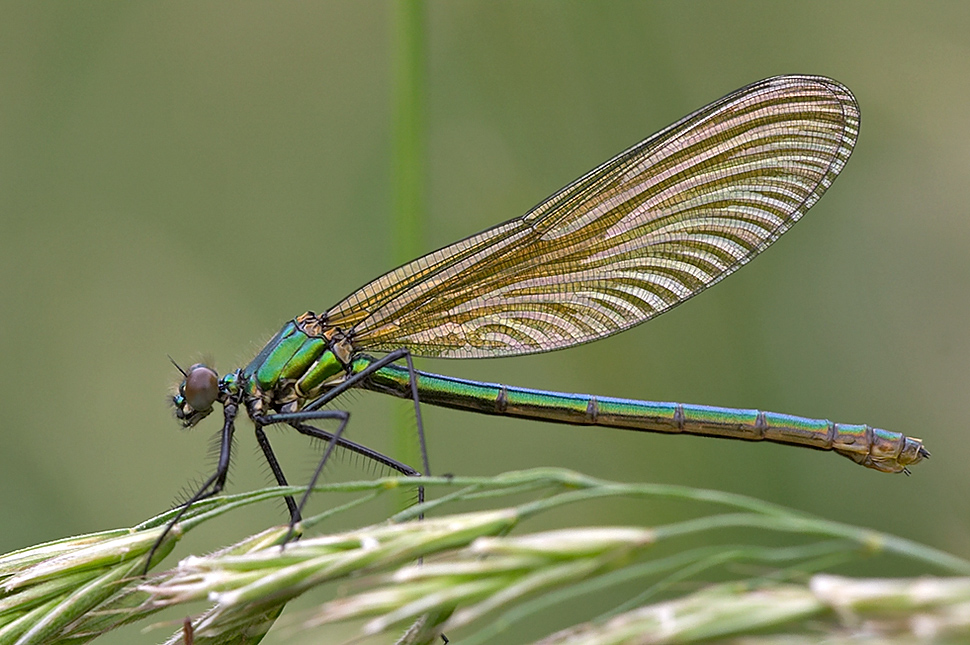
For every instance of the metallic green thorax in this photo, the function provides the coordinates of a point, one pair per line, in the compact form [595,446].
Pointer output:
[294,366]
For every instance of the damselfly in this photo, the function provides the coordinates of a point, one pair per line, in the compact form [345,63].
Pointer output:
[634,237]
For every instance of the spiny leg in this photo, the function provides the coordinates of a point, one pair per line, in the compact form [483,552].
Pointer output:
[335,440]
[294,419]
[354,379]
[413,380]
[364,451]
[357,378]
[274,465]
[214,484]
[360,449]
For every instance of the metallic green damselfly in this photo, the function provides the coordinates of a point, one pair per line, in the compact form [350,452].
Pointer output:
[634,237]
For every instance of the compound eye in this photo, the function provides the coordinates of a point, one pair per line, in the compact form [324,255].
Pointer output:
[201,387]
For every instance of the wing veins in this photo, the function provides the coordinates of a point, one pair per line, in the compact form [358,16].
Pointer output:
[634,237]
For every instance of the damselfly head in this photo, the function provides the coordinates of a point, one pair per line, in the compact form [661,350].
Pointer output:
[197,392]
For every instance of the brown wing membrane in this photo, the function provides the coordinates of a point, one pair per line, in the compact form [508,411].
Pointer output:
[641,233]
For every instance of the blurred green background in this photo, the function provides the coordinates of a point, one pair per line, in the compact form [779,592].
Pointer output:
[181,178]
